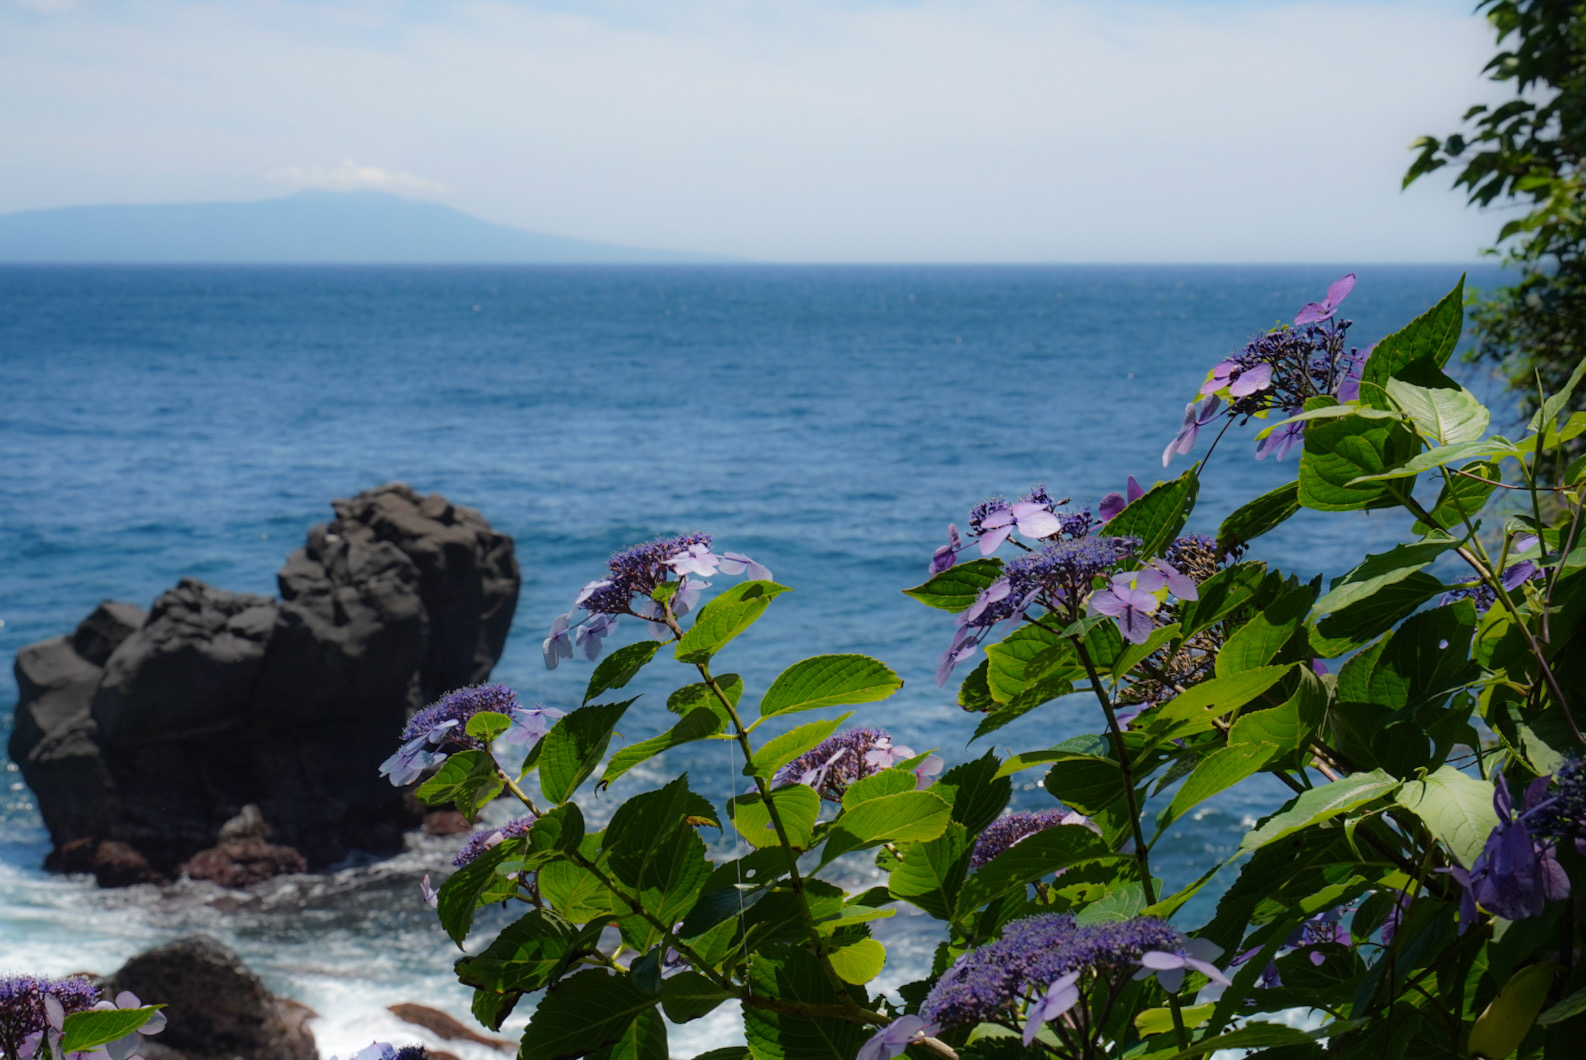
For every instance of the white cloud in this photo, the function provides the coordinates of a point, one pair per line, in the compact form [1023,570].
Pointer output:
[350,176]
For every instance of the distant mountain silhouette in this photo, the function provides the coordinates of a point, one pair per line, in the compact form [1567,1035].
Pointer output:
[310,227]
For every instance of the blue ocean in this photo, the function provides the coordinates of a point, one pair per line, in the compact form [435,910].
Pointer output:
[160,423]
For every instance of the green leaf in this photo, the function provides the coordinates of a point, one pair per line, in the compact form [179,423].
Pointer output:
[1027,699]
[1133,654]
[688,995]
[1547,415]
[957,587]
[1224,593]
[859,962]
[1250,1036]
[905,817]
[887,782]
[1193,710]
[1025,656]
[974,694]
[1217,772]
[698,724]
[1251,520]
[780,750]
[620,667]
[467,779]
[527,955]
[692,697]
[585,1012]
[652,847]
[1088,783]
[474,884]
[797,804]
[1258,641]
[1433,458]
[1286,727]
[1456,808]
[572,749]
[560,830]
[1338,452]
[487,725]
[1462,497]
[932,873]
[1430,337]
[829,681]
[1042,854]
[83,1031]
[1573,1005]
[577,894]
[726,616]
[793,975]
[1360,623]
[1444,416]
[1379,570]
[645,1039]
[1157,518]
[491,1009]
[977,791]
[1319,804]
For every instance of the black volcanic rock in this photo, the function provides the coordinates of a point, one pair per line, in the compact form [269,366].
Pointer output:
[145,736]
[215,1007]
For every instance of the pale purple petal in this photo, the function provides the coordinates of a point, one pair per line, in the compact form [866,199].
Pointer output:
[1002,516]
[1111,505]
[1034,520]
[431,896]
[1134,491]
[1150,579]
[1108,602]
[1179,584]
[1220,374]
[990,541]
[1251,380]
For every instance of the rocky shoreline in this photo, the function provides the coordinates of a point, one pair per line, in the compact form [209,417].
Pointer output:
[233,737]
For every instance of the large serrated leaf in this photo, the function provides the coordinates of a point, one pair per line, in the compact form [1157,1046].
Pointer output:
[829,681]
[1254,518]
[1157,517]
[572,749]
[955,588]
[793,975]
[1341,451]
[797,804]
[1457,808]
[931,873]
[726,616]
[585,1012]
[1379,570]
[468,780]
[620,667]
[1430,337]
[1217,772]
[1442,415]
[698,724]
[1319,804]
[1042,854]
[1194,709]
[780,750]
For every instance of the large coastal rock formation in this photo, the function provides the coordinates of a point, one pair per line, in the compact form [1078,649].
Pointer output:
[144,736]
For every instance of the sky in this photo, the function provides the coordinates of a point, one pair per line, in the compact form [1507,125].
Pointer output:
[800,131]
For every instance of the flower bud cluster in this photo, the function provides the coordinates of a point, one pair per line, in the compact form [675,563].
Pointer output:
[841,761]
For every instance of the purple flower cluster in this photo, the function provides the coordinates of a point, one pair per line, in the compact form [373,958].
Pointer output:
[1563,818]
[387,1051]
[1047,953]
[633,575]
[1035,516]
[1011,829]
[1278,372]
[1483,596]
[838,762]
[446,722]
[486,838]
[28,1003]
[1517,872]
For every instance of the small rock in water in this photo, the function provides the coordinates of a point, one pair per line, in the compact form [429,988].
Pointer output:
[445,1026]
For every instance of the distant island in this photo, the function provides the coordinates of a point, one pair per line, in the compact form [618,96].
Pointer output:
[309,227]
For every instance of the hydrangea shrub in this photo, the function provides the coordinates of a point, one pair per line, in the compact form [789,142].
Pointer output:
[1414,893]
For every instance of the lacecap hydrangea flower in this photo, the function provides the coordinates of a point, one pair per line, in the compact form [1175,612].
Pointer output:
[838,762]
[486,838]
[632,577]
[446,722]
[1011,829]
[387,1051]
[31,1005]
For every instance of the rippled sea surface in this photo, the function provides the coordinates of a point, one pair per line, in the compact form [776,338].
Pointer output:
[171,422]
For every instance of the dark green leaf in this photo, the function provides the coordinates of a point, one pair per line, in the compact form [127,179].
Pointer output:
[492,1009]
[1042,854]
[976,791]
[1457,809]
[527,955]
[644,1039]
[1379,570]
[1088,783]
[572,749]
[1224,593]
[1157,517]
[1194,709]
[620,667]
[932,873]
[1255,518]
[726,616]
[974,694]
[1362,622]
[1217,772]
[585,1012]
[1025,656]
[1430,337]
[688,995]
[956,587]
[560,830]
[1258,641]
[792,974]
[467,779]
[829,681]
[475,884]
[1462,497]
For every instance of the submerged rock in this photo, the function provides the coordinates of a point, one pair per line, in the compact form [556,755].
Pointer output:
[142,736]
[215,1007]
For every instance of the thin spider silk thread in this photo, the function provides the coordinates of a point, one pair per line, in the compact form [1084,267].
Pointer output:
[737,865]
